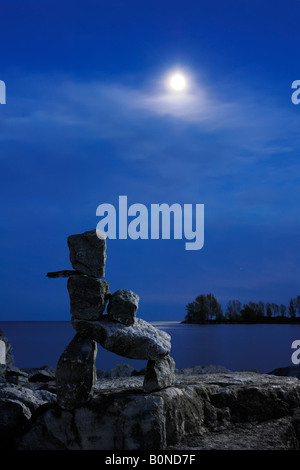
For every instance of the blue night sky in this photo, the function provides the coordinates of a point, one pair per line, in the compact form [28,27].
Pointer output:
[88,118]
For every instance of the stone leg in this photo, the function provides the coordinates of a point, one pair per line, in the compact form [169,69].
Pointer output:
[159,374]
[76,373]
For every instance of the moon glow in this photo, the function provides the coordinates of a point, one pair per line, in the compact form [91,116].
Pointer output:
[177,82]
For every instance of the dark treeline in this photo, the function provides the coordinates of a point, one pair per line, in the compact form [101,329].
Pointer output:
[206,309]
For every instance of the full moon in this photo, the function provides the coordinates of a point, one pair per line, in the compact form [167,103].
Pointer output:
[177,82]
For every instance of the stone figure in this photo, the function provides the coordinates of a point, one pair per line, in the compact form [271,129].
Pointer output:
[118,330]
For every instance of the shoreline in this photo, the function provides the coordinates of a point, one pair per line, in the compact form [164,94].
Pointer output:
[264,321]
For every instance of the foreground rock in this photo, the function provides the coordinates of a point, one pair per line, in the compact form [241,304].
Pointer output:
[238,410]
[40,374]
[17,408]
[138,341]
[289,371]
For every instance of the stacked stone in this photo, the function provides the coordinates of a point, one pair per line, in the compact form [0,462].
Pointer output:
[88,291]
[118,331]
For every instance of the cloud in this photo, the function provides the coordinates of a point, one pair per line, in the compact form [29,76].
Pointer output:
[110,111]
[227,141]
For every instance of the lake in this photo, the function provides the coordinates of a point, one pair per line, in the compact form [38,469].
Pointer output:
[261,347]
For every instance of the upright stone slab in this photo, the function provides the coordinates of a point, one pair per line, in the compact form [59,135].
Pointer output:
[122,306]
[2,352]
[88,297]
[6,354]
[2,356]
[88,253]
[159,374]
[76,373]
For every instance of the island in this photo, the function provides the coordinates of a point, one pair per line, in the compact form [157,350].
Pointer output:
[206,309]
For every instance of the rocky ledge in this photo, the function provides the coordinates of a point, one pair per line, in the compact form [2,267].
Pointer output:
[225,410]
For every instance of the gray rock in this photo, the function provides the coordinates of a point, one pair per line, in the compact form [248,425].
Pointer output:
[136,373]
[2,371]
[40,374]
[159,374]
[30,399]
[109,384]
[138,341]
[88,253]
[88,297]
[76,373]
[123,305]
[15,375]
[122,370]
[101,374]
[288,371]
[17,405]
[195,370]
[246,411]
[114,421]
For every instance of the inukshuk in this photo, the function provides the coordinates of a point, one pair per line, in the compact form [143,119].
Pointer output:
[118,330]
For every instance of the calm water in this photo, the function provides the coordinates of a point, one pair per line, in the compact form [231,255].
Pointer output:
[261,347]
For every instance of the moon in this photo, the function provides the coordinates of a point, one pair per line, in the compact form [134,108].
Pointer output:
[177,82]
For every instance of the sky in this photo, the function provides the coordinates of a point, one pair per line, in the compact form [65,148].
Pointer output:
[89,117]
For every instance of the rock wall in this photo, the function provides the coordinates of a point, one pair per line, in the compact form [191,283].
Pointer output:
[238,410]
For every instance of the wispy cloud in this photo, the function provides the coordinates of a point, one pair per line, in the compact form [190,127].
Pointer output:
[206,133]
[114,111]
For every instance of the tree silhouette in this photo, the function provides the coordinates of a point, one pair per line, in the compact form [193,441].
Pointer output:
[292,308]
[205,307]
